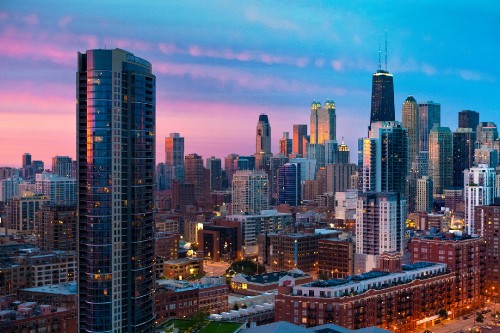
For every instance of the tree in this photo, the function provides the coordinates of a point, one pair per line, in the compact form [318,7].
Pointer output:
[236,307]
[244,306]
[443,314]
[247,267]
[479,318]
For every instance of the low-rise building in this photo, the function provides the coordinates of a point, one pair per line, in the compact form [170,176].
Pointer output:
[261,283]
[180,269]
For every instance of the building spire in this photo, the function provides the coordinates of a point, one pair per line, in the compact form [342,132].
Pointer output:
[386,50]
[379,64]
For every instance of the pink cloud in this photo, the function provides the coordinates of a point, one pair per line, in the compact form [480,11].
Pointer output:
[337,65]
[31,19]
[273,22]
[130,44]
[64,21]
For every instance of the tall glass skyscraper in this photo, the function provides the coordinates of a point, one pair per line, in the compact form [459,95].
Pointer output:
[382,97]
[116,163]
[262,142]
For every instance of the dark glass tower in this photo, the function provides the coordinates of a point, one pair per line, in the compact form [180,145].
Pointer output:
[382,97]
[116,163]
[468,119]
[289,187]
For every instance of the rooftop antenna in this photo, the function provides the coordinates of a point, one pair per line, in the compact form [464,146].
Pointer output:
[379,65]
[386,50]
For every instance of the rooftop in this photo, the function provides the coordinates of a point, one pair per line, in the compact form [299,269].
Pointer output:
[68,288]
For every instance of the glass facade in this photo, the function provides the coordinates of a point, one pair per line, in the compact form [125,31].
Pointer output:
[382,97]
[116,163]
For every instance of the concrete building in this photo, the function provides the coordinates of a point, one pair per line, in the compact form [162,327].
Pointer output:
[59,190]
[380,227]
[250,192]
[56,228]
[21,213]
[62,166]
[480,190]
[338,177]
[425,199]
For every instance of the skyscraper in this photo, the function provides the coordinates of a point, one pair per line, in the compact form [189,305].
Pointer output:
[468,119]
[250,192]
[480,190]
[486,134]
[382,93]
[26,160]
[116,164]
[174,159]
[215,166]
[344,155]
[299,134]
[441,158]
[463,154]
[263,142]
[384,158]
[323,122]
[425,199]
[195,174]
[429,114]
[289,185]
[285,144]
[410,120]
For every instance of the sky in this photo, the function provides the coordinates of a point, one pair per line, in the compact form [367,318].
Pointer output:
[219,64]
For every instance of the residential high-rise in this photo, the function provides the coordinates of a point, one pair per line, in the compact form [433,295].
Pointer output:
[338,177]
[174,159]
[263,142]
[250,192]
[429,114]
[384,158]
[62,166]
[468,119]
[425,199]
[380,227]
[58,190]
[194,173]
[299,134]
[323,122]
[331,151]
[289,184]
[215,166]
[116,101]
[441,158]
[480,190]
[231,166]
[56,228]
[463,153]
[285,144]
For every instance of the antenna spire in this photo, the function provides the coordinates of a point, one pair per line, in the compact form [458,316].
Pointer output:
[386,50]
[379,65]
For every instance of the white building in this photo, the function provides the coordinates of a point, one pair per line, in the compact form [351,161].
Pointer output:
[480,190]
[59,190]
[250,192]
[345,204]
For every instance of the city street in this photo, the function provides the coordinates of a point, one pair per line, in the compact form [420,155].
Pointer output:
[461,325]
[215,268]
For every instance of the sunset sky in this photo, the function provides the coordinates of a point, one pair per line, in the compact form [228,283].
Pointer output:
[220,64]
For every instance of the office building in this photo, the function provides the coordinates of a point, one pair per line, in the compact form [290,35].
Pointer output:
[316,152]
[285,144]
[289,184]
[214,165]
[429,115]
[174,159]
[463,153]
[62,166]
[380,227]
[250,192]
[425,200]
[382,96]
[468,119]
[441,159]
[486,135]
[262,142]
[344,155]
[338,177]
[196,174]
[332,151]
[298,140]
[231,166]
[116,114]
[323,122]
[411,121]
[480,190]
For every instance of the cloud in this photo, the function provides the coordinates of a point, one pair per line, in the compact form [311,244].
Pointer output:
[64,21]
[31,19]
[337,65]
[273,22]
[468,75]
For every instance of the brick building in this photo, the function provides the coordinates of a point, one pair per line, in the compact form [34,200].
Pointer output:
[395,301]
[56,228]
[261,283]
[488,225]
[335,258]
[464,256]
[180,299]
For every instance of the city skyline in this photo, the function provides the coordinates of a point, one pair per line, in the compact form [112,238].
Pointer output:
[243,60]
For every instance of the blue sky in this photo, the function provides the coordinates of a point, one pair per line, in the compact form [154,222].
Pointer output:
[220,64]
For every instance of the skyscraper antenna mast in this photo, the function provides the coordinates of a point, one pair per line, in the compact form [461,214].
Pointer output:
[386,50]
[379,64]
